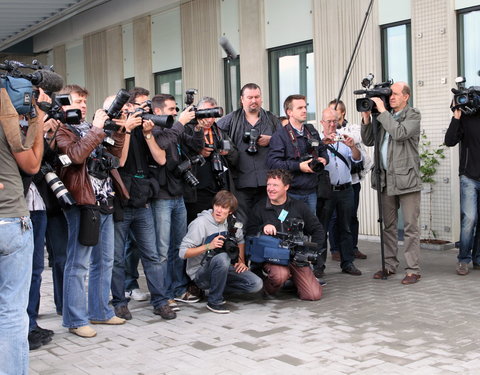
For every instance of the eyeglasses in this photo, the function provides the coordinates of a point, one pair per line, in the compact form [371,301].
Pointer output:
[333,122]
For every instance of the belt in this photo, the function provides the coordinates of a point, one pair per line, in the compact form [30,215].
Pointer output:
[341,187]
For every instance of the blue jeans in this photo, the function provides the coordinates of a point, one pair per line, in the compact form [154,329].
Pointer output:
[219,276]
[16,249]
[309,199]
[39,225]
[97,262]
[132,259]
[170,217]
[469,194]
[139,221]
[56,240]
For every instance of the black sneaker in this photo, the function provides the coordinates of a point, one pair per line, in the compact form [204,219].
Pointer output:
[165,312]
[48,332]
[38,338]
[123,312]
[219,309]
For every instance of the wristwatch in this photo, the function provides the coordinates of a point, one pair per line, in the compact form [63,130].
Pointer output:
[148,136]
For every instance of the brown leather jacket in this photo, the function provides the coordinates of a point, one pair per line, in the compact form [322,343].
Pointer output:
[75,176]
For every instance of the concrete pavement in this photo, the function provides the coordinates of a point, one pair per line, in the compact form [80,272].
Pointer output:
[361,326]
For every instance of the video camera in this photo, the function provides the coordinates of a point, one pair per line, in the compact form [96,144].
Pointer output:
[230,243]
[380,90]
[284,248]
[201,113]
[55,111]
[466,100]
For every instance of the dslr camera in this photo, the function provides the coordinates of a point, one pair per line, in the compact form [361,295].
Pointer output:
[315,165]
[251,137]
[230,243]
[103,162]
[164,121]
[380,90]
[465,99]
[115,110]
[184,169]
[201,113]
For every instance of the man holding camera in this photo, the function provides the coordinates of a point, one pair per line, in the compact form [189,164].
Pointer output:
[211,164]
[343,153]
[250,129]
[268,218]
[169,211]
[297,147]
[215,253]
[16,235]
[399,134]
[465,129]
[90,179]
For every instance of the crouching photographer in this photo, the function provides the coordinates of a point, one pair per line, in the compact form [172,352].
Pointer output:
[90,179]
[211,162]
[215,253]
[270,217]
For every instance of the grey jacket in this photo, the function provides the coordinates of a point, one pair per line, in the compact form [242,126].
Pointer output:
[198,231]
[403,172]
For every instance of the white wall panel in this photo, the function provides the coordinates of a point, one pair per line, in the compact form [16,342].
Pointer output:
[229,23]
[287,22]
[460,4]
[393,11]
[127,42]
[166,41]
[75,62]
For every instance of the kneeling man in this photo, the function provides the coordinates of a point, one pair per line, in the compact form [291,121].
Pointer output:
[212,262]
[269,217]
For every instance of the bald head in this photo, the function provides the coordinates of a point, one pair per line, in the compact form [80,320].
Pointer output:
[400,96]
[329,121]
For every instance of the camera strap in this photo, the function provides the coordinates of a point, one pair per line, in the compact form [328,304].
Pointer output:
[137,155]
[336,153]
[289,129]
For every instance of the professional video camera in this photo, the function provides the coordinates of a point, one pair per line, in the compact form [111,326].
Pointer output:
[380,90]
[466,100]
[99,165]
[230,243]
[201,113]
[315,165]
[55,111]
[284,248]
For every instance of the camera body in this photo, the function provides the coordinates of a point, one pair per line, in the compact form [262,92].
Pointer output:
[315,165]
[201,113]
[251,137]
[100,165]
[230,243]
[184,169]
[465,99]
[115,110]
[55,110]
[380,90]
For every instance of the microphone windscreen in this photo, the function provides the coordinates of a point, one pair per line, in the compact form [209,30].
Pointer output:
[47,80]
[228,48]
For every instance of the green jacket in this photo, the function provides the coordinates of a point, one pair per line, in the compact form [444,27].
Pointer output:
[403,172]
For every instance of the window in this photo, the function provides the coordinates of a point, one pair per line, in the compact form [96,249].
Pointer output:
[397,52]
[231,70]
[468,42]
[292,71]
[129,83]
[170,82]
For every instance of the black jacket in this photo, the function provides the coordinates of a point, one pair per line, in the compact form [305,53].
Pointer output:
[467,132]
[265,213]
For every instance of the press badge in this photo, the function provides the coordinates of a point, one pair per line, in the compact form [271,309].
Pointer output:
[283,215]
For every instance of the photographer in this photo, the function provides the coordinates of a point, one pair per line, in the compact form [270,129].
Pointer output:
[90,179]
[250,128]
[267,218]
[211,269]
[216,157]
[297,147]
[465,129]
[16,235]
[399,134]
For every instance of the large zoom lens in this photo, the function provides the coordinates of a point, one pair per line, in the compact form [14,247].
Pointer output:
[165,121]
[209,112]
[63,195]
[115,109]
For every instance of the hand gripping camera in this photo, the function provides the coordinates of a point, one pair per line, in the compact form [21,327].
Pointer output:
[466,100]
[230,243]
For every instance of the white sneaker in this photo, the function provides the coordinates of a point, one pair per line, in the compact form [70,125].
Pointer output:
[173,305]
[137,295]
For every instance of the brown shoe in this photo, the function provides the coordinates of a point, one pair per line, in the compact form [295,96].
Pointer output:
[336,256]
[380,274]
[359,255]
[411,278]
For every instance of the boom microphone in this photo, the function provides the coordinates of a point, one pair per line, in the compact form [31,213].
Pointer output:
[46,80]
[228,48]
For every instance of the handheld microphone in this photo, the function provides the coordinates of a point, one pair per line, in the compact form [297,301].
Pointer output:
[228,48]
